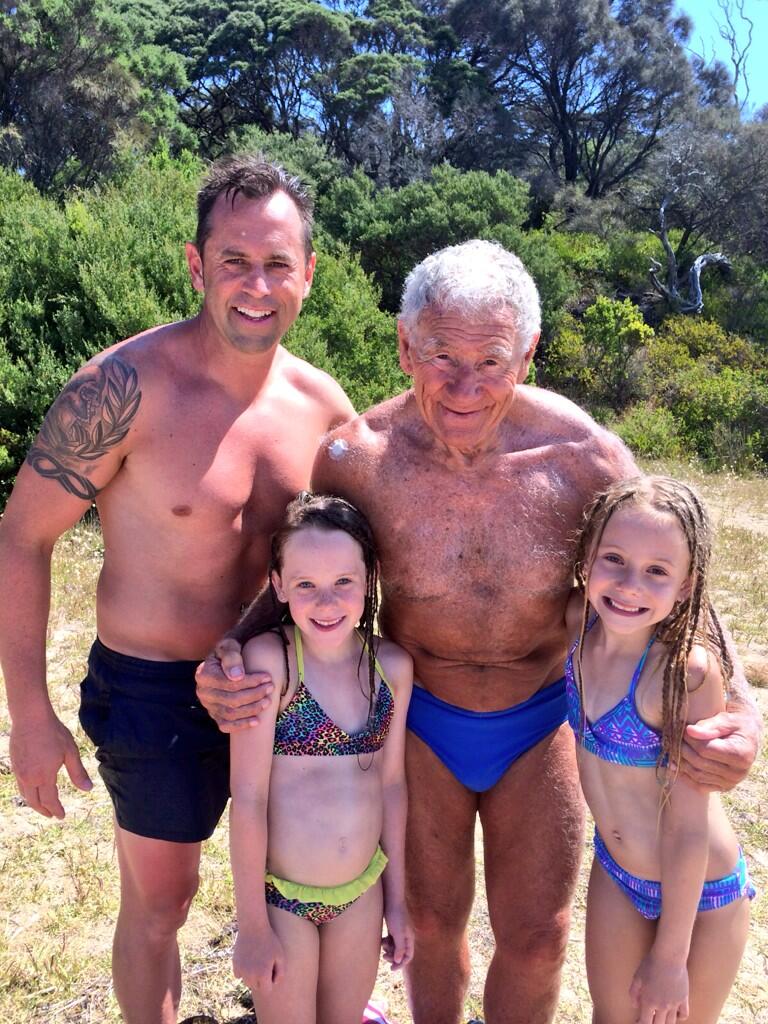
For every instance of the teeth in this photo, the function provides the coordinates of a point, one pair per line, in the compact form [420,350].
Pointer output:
[330,622]
[254,314]
[622,607]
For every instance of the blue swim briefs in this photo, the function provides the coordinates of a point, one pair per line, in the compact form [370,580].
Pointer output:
[479,746]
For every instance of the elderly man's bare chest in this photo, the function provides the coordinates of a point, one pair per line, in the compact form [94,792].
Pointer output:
[490,535]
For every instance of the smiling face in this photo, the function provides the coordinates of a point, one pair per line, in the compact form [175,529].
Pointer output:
[253,270]
[323,581]
[640,569]
[464,374]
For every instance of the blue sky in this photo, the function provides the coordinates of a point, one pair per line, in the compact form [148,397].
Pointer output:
[706,40]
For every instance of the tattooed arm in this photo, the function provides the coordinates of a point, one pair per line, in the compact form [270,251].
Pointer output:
[79,449]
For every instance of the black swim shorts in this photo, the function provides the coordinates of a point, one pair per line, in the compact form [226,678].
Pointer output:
[162,757]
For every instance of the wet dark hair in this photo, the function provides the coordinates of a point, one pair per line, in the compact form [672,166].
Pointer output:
[251,175]
[693,617]
[327,512]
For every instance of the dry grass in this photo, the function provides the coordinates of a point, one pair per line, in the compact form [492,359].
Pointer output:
[58,882]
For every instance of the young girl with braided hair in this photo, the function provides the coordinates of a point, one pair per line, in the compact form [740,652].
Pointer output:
[648,657]
[318,788]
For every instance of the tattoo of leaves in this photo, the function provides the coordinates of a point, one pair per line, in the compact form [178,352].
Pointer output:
[90,416]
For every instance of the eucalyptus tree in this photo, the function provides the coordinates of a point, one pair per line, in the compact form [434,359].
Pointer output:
[74,89]
[590,86]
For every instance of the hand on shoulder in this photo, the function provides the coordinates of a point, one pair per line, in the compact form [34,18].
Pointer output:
[266,653]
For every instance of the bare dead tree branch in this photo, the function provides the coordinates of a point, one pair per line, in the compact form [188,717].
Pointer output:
[739,51]
[671,291]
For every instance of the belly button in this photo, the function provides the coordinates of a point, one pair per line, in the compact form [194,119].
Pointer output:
[616,835]
[182,510]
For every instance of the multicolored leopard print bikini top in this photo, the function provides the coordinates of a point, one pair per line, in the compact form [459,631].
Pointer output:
[303,727]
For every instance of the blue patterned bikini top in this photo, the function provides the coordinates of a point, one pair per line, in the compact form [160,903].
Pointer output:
[620,735]
[303,727]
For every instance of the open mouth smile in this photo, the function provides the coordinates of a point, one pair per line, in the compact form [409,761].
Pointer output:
[624,609]
[326,625]
[254,315]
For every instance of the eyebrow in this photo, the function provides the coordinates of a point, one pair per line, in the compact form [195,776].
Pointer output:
[492,349]
[277,255]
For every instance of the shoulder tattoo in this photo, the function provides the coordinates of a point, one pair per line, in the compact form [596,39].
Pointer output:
[91,415]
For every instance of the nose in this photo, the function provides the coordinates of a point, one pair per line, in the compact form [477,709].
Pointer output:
[463,382]
[325,596]
[257,282]
[628,580]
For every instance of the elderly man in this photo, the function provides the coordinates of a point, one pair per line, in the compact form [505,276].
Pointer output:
[191,437]
[474,484]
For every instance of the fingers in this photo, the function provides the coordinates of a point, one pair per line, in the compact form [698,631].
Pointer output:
[76,770]
[43,799]
[711,728]
[397,952]
[709,772]
[230,719]
[406,948]
[230,654]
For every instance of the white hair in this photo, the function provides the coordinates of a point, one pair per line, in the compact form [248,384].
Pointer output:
[473,279]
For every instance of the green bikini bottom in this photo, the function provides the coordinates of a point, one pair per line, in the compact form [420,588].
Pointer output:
[321,903]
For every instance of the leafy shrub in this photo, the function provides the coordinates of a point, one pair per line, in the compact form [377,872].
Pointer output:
[628,259]
[342,330]
[724,416]
[649,430]
[396,228]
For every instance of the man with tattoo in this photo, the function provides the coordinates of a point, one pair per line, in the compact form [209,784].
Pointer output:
[191,438]
[474,484]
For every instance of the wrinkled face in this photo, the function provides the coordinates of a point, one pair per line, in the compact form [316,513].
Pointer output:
[323,581]
[640,569]
[253,270]
[464,374]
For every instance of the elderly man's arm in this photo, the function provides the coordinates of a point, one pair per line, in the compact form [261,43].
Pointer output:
[719,751]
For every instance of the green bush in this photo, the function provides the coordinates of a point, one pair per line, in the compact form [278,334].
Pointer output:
[723,416]
[342,330]
[394,229]
[629,258]
[650,431]
[598,360]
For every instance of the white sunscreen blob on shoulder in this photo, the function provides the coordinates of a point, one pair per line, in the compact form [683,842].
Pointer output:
[338,449]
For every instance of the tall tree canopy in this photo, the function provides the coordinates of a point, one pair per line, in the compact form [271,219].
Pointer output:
[589,85]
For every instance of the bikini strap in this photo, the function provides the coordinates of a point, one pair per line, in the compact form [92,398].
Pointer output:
[300,656]
[379,669]
[639,669]
[590,624]
[299,653]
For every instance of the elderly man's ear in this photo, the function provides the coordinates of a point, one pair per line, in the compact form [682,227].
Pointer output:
[527,358]
[406,362]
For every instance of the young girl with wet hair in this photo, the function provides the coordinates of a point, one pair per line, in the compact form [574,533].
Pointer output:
[318,788]
[668,903]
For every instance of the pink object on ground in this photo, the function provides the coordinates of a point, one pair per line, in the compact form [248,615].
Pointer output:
[374,1014]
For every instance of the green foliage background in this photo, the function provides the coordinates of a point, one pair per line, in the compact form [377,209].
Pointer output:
[418,125]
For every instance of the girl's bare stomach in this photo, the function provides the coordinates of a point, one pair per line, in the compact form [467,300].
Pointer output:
[625,803]
[324,818]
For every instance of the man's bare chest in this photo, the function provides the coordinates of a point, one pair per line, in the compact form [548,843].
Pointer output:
[232,472]
[487,535]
